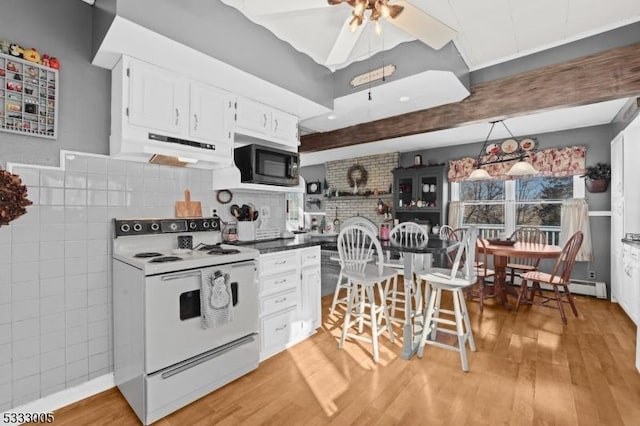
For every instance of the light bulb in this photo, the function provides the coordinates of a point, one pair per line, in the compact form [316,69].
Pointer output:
[385,11]
[353,25]
[359,8]
[378,28]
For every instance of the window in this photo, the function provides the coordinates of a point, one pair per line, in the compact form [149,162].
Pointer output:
[497,206]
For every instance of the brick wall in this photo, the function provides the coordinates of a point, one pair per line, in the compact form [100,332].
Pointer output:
[379,177]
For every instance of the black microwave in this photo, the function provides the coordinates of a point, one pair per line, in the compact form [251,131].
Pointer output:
[266,165]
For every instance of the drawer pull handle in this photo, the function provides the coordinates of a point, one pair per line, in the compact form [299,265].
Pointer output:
[282,262]
[284,299]
[281,328]
[311,257]
[280,281]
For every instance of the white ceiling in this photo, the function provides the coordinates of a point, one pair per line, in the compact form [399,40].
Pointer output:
[489,31]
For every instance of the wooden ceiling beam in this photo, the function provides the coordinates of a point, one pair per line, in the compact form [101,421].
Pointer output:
[605,76]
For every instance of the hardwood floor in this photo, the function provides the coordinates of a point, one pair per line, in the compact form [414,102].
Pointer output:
[529,369]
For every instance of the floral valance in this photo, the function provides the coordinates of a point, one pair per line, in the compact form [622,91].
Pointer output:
[567,161]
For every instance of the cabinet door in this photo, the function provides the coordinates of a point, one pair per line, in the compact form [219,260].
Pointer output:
[253,117]
[310,299]
[284,127]
[634,285]
[211,112]
[428,190]
[157,98]
[404,187]
[617,167]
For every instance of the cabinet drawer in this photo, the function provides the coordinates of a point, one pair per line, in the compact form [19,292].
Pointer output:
[272,264]
[280,282]
[310,256]
[277,330]
[278,302]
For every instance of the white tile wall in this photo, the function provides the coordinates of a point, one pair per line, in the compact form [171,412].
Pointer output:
[55,278]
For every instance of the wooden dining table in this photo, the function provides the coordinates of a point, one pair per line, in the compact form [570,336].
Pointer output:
[501,254]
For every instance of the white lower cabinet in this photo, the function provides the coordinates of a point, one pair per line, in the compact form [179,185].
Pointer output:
[289,298]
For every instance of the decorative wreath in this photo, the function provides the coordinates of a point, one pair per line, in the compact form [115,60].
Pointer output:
[13,197]
[357,176]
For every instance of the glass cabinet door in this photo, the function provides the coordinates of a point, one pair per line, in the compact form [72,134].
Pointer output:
[428,188]
[405,191]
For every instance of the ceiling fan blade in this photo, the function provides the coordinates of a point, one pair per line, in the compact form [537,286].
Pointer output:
[422,26]
[334,2]
[395,10]
[344,44]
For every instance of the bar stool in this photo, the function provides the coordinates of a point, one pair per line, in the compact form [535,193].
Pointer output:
[356,247]
[342,283]
[408,234]
[454,280]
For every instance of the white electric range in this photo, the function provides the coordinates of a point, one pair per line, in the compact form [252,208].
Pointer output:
[185,320]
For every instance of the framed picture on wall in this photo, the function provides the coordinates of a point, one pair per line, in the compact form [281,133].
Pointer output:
[314,188]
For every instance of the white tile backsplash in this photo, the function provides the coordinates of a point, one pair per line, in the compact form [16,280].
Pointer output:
[51,196]
[55,289]
[24,234]
[51,178]
[51,269]
[24,271]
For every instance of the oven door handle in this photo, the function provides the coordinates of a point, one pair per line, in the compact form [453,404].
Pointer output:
[179,276]
[208,356]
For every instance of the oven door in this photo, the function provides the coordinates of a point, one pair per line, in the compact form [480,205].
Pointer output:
[175,328]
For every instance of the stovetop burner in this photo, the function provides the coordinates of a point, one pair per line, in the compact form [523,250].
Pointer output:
[220,250]
[147,254]
[216,249]
[165,259]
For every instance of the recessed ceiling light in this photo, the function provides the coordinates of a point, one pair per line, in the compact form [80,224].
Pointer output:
[404,99]
[331,117]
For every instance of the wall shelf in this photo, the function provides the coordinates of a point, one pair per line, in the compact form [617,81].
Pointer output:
[359,197]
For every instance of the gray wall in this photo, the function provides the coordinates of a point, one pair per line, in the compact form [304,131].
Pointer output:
[63,29]
[597,141]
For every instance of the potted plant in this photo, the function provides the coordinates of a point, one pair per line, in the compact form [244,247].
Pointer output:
[597,177]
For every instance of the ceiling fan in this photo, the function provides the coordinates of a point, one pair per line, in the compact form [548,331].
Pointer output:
[403,15]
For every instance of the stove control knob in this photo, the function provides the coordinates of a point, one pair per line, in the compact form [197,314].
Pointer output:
[193,225]
[155,226]
[137,227]
[173,226]
[205,225]
[214,225]
[125,227]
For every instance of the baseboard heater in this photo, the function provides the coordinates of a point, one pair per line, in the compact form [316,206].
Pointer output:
[587,288]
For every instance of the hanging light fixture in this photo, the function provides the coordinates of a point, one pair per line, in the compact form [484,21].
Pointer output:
[509,150]
[377,8]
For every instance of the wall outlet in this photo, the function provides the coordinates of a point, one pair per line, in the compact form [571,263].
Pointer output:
[212,211]
[591,275]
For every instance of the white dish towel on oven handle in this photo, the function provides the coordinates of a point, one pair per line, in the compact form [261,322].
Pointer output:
[216,299]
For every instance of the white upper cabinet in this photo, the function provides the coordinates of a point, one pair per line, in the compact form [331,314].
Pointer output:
[156,98]
[284,127]
[157,111]
[260,121]
[211,113]
[253,118]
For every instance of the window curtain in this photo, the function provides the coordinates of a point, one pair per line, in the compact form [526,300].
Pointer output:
[455,212]
[558,162]
[574,217]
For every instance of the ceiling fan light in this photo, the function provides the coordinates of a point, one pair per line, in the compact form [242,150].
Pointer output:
[479,174]
[360,7]
[354,24]
[385,10]
[522,168]
[378,27]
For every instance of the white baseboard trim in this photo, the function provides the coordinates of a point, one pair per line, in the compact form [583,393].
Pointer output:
[66,397]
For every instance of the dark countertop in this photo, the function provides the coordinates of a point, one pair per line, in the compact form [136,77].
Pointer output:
[281,244]
[634,243]
[434,245]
